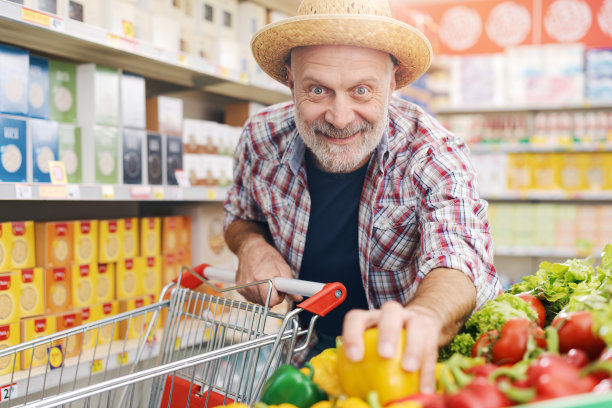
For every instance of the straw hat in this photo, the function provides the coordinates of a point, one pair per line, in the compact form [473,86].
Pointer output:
[363,23]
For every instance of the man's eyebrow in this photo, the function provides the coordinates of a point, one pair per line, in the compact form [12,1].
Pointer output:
[364,80]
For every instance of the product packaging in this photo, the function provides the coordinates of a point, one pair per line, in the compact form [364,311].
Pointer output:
[84,280]
[85,241]
[62,89]
[152,280]
[129,231]
[58,289]
[105,283]
[38,93]
[9,337]
[150,235]
[129,277]
[98,95]
[110,245]
[165,115]
[14,65]
[23,253]
[44,136]
[155,164]
[173,158]
[33,328]
[54,244]
[10,293]
[71,346]
[13,157]
[69,141]
[133,142]
[32,292]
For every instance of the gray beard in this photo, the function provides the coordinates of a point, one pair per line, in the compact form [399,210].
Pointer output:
[336,158]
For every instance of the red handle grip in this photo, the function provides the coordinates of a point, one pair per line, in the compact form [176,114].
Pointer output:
[188,280]
[325,300]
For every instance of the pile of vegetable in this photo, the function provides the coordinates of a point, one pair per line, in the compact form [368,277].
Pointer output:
[549,336]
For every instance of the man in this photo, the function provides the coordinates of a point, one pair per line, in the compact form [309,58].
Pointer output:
[347,183]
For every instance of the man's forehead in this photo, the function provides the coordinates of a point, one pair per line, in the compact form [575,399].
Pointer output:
[312,51]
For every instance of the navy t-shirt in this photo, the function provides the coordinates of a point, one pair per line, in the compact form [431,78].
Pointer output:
[331,253]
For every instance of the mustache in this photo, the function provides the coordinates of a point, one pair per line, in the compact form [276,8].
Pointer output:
[331,131]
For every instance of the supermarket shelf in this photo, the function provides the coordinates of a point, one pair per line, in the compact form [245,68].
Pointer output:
[286,6]
[531,148]
[90,192]
[542,252]
[75,40]
[537,195]
[522,108]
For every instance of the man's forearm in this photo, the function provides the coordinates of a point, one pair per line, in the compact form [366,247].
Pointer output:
[241,231]
[450,295]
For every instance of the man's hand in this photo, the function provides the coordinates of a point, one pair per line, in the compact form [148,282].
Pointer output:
[423,329]
[444,300]
[258,260]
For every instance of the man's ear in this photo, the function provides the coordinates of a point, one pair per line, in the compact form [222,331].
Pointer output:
[290,82]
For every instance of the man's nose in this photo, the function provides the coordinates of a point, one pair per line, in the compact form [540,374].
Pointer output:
[340,112]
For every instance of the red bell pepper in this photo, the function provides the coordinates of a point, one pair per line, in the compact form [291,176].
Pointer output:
[554,377]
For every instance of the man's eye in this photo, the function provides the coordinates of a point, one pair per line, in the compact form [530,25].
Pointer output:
[317,90]
[361,91]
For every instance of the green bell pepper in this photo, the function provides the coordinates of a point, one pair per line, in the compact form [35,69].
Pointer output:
[288,384]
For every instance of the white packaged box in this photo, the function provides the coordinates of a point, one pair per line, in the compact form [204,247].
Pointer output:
[87,11]
[251,18]
[97,95]
[227,19]
[166,33]
[44,139]
[120,18]
[206,17]
[133,101]
[100,154]
[69,141]
[228,54]
[190,167]
[165,115]
[191,131]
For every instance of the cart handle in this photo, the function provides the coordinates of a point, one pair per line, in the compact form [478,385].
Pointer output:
[322,297]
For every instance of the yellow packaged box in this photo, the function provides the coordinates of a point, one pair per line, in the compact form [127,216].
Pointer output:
[71,346]
[171,233]
[6,240]
[9,336]
[84,282]
[58,290]
[85,242]
[571,174]
[137,325]
[105,282]
[54,244]
[32,301]
[169,268]
[110,241]
[33,328]
[89,336]
[152,281]
[150,236]
[128,279]
[10,292]
[129,232]
[23,254]
[185,233]
[101,311]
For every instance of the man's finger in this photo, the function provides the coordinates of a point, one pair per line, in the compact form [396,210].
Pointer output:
[389,328]
[355,323]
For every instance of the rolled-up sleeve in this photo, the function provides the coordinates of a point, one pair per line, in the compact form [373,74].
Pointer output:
[454,228]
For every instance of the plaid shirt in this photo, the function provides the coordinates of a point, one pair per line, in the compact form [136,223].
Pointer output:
[419,210]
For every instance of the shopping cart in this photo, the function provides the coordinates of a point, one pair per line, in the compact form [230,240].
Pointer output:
[215,348]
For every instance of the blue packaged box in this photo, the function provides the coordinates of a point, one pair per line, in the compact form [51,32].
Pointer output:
[44,136]
[14,64]
[38,94]
[13,157]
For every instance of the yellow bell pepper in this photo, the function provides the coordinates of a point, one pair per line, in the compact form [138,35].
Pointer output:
[325,372]
[405,404]
[323,404]
[352,402]
[375,373]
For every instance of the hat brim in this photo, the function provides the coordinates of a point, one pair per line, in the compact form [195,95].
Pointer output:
[272,44]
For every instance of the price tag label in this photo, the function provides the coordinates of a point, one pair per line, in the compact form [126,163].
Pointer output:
[177,343]
[56,357]
[43,19]
[123,358]
[244,78]
[73,192]
[8,391]
[182,59]
[53,192]
[128,28]
[108,192]
[225,72]
[158,193]
[97,366]
[140,192]
[211,194]
[23,191]
[113,40]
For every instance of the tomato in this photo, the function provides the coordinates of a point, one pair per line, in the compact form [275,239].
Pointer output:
[482,347]
[512,343]
[576,331]
[536,305]
[577,358]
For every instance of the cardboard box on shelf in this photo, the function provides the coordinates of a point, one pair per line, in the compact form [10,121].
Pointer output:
[10,294]
[23,253]
[206,17]
[227,19]
[545,171]
[89,336]
[14,63]
[32,299]
[520,175]
[110,244]
[33,328]
[13,157]
[133,142]
[206,47]
[188,39]
[119,17]
[154,163]
[38,93]
[98,95]
[135,327]
[251,18]
[133,101]
[9,337]
[130,233]
[58,289]
[85,239]
[152,279]
[44,136]
[166,32]
[71,345]
[87,11]
[191,133]
[171,233]
[593,168]
[185,236]
[62,91]
[165,115]
[6,243]
[129,277]
[236,114]
[69,149]
[150,236]
[105,283]
[173,159]
[110,331]
[54,243]
[170,269]
[100,154]
[571,172]
[84,280]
